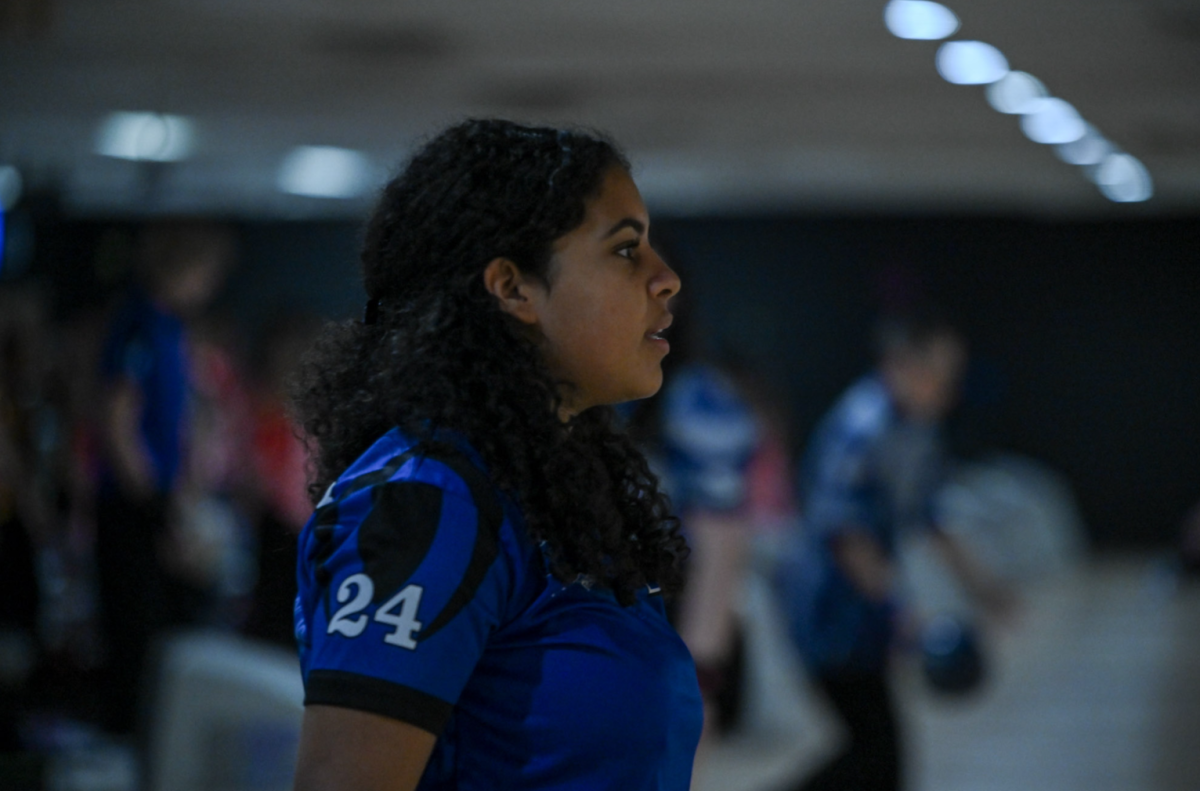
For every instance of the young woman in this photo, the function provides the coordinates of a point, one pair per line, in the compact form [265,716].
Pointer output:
[481,584]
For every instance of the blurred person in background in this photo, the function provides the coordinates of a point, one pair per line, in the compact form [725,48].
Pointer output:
[701,435]
[145,432]
[28,495]
[280,464]
[481,586]
[46,599]
[66,682]
[210,550]
[871,471]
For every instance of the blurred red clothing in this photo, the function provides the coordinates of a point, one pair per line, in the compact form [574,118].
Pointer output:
[280,462]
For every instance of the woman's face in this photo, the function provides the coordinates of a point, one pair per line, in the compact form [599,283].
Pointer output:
[605,307]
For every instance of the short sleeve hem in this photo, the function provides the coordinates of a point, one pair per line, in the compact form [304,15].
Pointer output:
[377,696]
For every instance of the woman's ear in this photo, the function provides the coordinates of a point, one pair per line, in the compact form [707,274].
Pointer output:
[512,289]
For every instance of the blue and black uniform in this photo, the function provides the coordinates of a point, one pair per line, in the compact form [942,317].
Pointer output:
[868,470]
[423,598]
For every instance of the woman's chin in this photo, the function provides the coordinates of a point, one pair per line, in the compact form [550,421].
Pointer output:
[652,385]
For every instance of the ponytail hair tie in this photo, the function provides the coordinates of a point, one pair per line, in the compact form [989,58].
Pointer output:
[371,312]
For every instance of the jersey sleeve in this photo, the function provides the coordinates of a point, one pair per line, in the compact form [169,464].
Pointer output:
[710,436]
[401,583]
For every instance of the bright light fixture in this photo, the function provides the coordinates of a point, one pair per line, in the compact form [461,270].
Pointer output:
[1015,93]
[971,63]
[324,172]
[1122,178]
[151,137]
[919,19]
[1053,121]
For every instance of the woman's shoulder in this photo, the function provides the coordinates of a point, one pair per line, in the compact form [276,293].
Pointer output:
[402,488]
[408,516]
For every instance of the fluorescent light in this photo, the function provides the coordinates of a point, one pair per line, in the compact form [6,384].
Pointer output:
[1053,121]
[152,137]
[1015,93]
[324,172]
[919,19]
[1122,178]
[971,63]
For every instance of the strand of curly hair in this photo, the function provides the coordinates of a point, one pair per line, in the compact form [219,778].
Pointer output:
[441,354]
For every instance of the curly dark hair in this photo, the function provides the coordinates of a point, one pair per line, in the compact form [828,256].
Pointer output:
[441,354]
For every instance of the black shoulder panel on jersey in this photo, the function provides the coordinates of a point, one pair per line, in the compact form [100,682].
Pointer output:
[487,540]
[390,555]
[382,475]
[327,517]
[396,535]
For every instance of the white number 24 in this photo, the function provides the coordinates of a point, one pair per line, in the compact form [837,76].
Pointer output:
[400,611]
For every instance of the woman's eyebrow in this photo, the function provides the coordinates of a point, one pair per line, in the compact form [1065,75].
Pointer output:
[628,222]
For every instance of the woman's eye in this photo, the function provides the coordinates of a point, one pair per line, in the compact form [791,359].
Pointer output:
[629,251]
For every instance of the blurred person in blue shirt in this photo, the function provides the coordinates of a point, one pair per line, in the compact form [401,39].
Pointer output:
[870,473]
[145,432]
[709,436]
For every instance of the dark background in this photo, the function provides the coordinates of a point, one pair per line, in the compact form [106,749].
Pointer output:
[1085,336]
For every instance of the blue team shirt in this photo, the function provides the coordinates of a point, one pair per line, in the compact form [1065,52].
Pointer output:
[709,436]
[146,346]
[867,469]
[421,597]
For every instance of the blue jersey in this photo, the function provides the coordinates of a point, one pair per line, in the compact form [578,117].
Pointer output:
[867,469]
[422,598]
[146,347]
[709,436]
